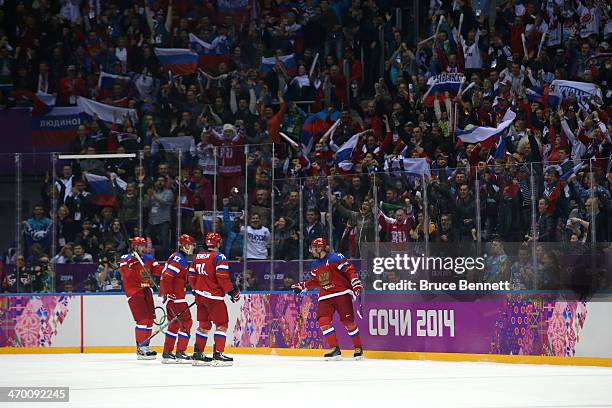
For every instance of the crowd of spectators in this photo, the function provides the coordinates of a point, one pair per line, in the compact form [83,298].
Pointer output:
[356,63]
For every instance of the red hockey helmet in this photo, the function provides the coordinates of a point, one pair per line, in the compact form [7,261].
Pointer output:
[319,243]
[213,239]
[186,239]
[138,241]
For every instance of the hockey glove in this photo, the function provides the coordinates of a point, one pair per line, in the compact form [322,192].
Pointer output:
[357,288]
[234,294]
[169,297]
[298,287]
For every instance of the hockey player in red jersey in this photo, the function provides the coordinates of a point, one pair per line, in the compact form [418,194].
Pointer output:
[137,284]
[210,282]
[337,281]
[172,286]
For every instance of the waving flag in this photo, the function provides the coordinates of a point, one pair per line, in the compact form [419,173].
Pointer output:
[108,81]
[56,129]
[414,166]
[102,189]
[210,54]
[219,46]
[47,99]
[315,126]
[344,154]
[535,94]
[107,113]
[288,63]
[446,83]
[487,136]
[442,83]
[232,5]
[43,102]
[560,90]
[179,61]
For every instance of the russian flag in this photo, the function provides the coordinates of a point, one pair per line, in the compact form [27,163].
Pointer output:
[57,129]
[211,55]
[344,155]
[418,166]
[288,63]
[500,150]
[219,46]
[560,90]
[43,102]
[315,126]
[535,94]
[448,82]
[485,135]
[102,189]
[232,5]
[108,81]
[179,61]
[107,113]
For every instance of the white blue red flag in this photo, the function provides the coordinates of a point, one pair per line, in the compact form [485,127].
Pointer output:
[485,135]
[179,61]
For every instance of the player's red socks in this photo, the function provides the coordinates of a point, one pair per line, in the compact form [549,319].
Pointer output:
[183,339]
[330,336]
[169,343]
[220,341]
[200,341]
[142,333]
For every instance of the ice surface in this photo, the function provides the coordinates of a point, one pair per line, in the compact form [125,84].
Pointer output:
[119,380]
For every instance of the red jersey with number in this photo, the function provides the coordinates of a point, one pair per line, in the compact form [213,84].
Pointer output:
[210,277]
[396,232]
[174,276]
[334,275]
[134,276]
[230,153]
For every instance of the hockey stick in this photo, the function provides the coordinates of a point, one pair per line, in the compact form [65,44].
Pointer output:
[161,328]
[149,275]
[360,308]
[173,311]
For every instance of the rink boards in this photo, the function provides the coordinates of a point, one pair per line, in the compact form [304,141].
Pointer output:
[523,328]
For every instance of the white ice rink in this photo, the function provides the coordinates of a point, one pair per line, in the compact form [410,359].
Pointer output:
[119,380]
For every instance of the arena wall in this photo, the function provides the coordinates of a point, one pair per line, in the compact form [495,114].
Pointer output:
[533,328]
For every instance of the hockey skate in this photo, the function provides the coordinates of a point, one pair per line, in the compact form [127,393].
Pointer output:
[169,358]
[145,353]
[358,355]
[182,358]
[199,359]
[221,360]
[335,354]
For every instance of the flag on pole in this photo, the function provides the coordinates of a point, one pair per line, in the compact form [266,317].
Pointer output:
[344,154]
[315,126]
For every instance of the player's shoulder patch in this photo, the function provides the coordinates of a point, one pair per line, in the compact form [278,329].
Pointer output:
[126,257]
[220,257]
[147,257]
